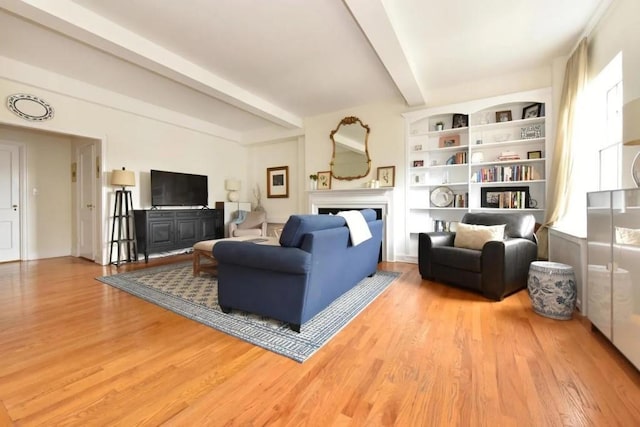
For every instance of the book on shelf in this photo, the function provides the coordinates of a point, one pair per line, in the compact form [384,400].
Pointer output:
[505,173]
[508,155]
[461,200]
[512,200]
[461,158]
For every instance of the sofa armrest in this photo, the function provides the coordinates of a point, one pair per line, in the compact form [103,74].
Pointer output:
[505,266]
[263,257]
[426,241]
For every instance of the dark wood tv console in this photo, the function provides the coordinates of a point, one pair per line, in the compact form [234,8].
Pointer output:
[161,230]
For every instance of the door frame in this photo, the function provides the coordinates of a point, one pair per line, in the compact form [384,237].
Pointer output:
[101,190]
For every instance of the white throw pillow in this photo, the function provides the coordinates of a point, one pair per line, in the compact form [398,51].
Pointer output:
[473,236]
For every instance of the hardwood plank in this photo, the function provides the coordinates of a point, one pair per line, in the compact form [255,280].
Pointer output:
[75,351]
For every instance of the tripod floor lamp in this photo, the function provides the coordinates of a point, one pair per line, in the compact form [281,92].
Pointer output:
[123,232]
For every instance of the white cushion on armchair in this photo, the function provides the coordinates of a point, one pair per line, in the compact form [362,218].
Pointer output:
[254,224]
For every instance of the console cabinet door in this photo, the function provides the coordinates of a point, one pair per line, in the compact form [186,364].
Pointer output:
[187,232]
[161,232]
[212,225]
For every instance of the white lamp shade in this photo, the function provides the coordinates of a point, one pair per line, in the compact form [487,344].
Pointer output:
[631,123]
[123,178]
[232,185]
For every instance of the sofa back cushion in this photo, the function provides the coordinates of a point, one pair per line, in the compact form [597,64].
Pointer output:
[518,225]
[299,225]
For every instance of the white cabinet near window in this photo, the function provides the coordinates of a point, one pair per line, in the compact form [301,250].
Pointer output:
[482,155]
[613,272]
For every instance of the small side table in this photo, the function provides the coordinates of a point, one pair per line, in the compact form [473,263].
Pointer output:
[552,289]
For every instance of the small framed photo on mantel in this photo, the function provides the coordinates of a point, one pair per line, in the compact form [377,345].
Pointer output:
[324,180]
[387,176]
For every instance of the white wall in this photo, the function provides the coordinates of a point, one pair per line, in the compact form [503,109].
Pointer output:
[48,191]
[281,153]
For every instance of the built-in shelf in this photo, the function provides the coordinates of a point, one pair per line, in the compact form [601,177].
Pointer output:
[523,137]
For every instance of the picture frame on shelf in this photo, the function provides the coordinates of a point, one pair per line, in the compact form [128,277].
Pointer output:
[324,180]
[449,141]
[278,182]
[534,154]
[492,197]
[386,175]
[532,111]
[418,163]
[460,121]
[503,116]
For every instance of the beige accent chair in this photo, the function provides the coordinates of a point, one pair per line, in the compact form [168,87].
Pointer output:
[255,224]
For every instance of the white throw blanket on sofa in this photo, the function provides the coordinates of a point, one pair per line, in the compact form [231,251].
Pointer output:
[358,228]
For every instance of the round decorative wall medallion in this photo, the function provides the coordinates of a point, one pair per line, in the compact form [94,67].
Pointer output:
[29,107]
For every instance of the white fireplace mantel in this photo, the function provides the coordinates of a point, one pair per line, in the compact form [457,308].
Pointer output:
[360,198]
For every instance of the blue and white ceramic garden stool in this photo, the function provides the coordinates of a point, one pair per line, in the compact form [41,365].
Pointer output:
[552,288]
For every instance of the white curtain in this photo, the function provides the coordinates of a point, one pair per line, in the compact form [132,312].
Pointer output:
[575,78]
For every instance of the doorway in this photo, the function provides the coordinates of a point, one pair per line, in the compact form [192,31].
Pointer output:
[59,195]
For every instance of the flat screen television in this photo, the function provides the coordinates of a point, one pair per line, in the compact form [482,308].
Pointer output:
[178,189]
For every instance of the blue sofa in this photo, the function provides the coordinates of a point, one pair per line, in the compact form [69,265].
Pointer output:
[314,264]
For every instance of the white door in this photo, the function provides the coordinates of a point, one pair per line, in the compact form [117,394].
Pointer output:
[87,201]
[9,203]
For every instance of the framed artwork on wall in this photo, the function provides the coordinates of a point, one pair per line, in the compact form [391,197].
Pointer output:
[278,182]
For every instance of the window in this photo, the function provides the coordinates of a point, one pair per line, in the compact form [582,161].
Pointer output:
[611,153]
[596,147]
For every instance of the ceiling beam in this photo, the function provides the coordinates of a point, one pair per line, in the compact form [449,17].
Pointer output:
[74,21]
[374,21]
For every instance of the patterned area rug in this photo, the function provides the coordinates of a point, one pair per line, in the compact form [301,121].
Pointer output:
[174,287]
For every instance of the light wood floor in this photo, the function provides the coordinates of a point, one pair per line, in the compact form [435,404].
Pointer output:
[74,351]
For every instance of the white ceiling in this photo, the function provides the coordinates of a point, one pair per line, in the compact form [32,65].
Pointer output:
[249,66]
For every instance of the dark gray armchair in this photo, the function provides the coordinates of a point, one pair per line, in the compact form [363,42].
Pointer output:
[499,269]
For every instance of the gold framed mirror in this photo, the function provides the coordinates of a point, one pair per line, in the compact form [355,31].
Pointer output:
[350,158]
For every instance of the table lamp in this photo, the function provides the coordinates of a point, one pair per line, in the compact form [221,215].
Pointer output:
[232,186]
